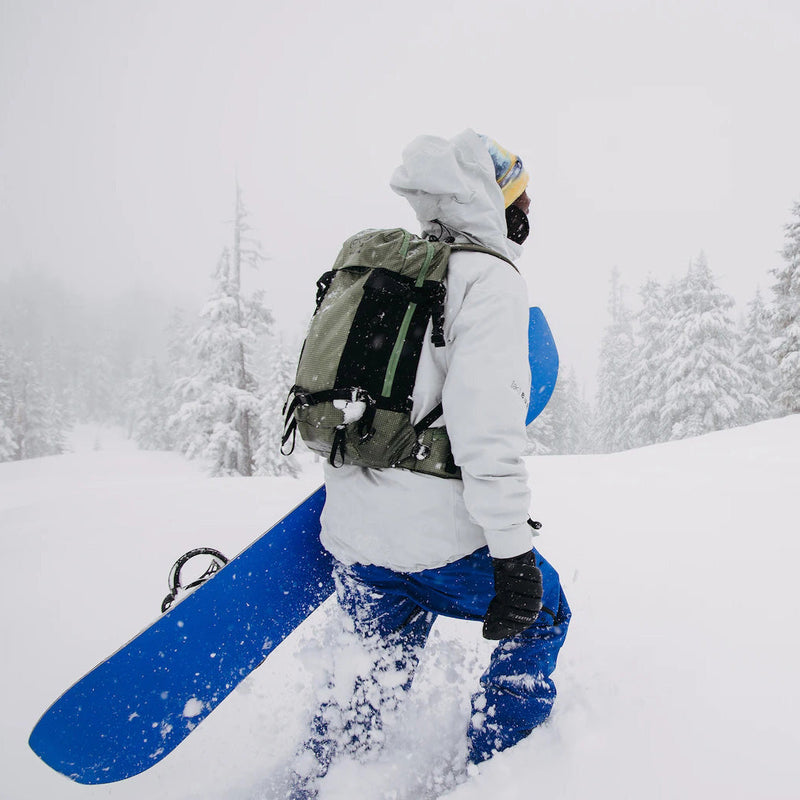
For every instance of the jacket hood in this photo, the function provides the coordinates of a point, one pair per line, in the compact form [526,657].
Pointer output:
[452,182]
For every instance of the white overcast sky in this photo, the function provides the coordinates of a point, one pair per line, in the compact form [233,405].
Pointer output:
[652,131]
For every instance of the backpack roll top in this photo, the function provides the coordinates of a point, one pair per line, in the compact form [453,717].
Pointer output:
[352,397]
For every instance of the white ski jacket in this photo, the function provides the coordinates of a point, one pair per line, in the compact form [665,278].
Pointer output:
[407,521]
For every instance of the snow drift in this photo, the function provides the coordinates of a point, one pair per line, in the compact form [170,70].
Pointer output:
[678,678]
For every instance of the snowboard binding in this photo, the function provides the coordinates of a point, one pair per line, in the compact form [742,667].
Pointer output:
[176,587]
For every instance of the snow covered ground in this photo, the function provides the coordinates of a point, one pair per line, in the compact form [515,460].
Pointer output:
[679,678]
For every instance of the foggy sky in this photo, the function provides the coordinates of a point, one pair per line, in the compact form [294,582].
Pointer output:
[651,132]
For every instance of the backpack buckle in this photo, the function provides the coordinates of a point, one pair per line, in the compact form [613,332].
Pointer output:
[302,399]
[421,451]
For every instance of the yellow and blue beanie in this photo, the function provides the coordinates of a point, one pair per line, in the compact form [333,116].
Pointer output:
[512,177]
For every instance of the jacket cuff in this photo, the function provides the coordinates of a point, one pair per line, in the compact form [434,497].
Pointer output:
[510,542]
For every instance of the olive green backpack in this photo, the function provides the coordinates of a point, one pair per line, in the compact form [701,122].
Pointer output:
[352,397]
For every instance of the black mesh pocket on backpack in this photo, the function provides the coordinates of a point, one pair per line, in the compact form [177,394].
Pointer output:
[385,341]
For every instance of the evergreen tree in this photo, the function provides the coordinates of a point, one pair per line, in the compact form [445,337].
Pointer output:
[614,378]
[649,366]
[577,436]
[31,416]
[220,411]
[7,445]
[149,407]
[269,459]
[181,366]
[180,358]
[152,401]
[99,390]
[541,432]
[757,365]
[787,318]
[573,418]
[564,427]
[7,448]
[703,387]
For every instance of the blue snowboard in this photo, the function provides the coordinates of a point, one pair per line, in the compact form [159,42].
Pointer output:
[139,704]
[543,358]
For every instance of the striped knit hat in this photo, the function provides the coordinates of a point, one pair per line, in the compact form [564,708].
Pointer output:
[512,178]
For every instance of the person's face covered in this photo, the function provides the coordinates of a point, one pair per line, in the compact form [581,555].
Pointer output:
[517,223]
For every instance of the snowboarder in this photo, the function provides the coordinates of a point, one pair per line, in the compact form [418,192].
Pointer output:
[411,546]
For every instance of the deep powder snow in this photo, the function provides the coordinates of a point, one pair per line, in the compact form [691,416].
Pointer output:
[678,678]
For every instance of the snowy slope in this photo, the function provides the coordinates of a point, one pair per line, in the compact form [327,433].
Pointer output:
[678,679]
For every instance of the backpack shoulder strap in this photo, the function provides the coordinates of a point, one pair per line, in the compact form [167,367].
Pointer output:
[479,248]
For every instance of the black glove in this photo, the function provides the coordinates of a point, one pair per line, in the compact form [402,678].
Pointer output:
[518,597]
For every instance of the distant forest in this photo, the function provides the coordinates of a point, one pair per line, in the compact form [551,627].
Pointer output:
[683,364]
[675,361]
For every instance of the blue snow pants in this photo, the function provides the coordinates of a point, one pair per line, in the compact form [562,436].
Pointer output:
[516,691]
